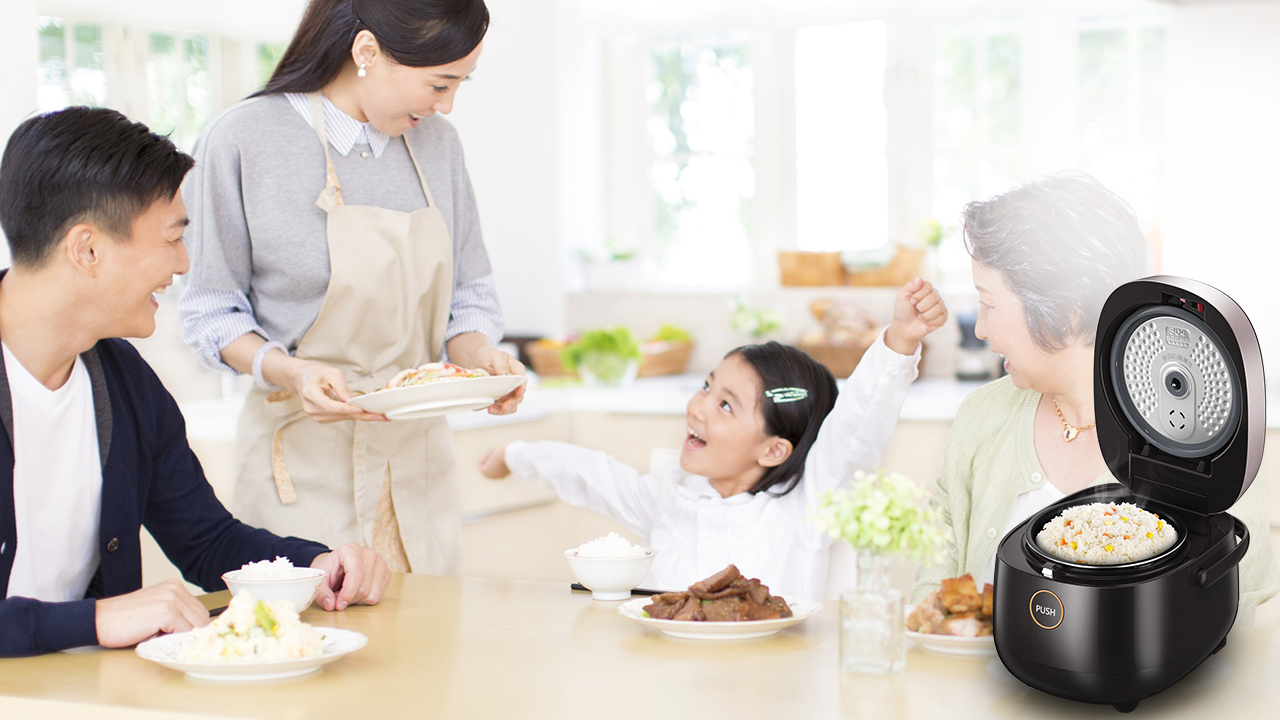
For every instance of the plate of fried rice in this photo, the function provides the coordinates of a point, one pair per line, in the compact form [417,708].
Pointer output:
[436,389]
[251,640]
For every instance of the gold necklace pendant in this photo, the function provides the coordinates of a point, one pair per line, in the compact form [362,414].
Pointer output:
[1069,431]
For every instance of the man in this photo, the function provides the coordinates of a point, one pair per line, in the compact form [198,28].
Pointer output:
[94,446]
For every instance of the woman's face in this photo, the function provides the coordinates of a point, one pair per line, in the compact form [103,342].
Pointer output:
[1002,322]
[396,97]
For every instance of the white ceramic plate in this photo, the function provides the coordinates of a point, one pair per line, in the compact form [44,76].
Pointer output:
[950,644]
[439,397]
[166,650]
[953,645]
[800,609]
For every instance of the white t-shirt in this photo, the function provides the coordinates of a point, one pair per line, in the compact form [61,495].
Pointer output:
[696,531]
[57,485]
[1024,506]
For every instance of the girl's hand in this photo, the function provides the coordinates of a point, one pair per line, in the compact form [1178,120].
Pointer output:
[497,362]
[918,311]
[494,464]
[323,391]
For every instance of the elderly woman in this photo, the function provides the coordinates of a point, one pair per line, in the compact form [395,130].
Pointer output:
[1045,257]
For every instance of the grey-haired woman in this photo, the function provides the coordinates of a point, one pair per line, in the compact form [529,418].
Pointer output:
[1045,257]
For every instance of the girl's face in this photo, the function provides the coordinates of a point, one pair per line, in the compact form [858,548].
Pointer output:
[1002,322]
[396,97]
[726,439]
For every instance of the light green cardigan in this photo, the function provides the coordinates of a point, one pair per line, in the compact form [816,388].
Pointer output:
[990,459]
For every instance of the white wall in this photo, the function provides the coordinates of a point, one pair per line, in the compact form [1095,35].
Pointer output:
[18,92]
[530,123]
[1221,225]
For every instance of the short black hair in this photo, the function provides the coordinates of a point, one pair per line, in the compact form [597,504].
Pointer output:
[797,421]
[81,165]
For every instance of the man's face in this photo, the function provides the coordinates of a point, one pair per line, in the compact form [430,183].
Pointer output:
[136,268]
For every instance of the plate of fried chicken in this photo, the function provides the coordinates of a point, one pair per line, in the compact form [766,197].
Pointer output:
[725,606]
[954,619]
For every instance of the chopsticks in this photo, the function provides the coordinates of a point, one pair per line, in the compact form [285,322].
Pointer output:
[634,591]
[215,612]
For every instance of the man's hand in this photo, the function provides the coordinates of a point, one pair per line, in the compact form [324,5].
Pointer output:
[165,607]
[355,575]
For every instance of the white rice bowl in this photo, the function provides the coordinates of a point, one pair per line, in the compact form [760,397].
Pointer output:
[1106,534]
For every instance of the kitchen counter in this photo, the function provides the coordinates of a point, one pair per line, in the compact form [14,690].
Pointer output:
[486,648]
[928,400]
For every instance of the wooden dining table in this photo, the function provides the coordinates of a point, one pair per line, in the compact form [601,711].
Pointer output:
[466,647]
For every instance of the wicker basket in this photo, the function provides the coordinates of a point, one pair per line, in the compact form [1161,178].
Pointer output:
[797,268]
[664,358]
[904,266]
[546,360]
[656,358]
[839,359]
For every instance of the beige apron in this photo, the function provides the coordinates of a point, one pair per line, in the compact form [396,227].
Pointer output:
[387,485]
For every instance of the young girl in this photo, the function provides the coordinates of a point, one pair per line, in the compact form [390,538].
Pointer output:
[757,453]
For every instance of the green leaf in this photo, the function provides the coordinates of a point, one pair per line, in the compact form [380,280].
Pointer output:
[262,614]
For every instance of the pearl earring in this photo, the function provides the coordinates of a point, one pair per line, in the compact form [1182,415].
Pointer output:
[361,72]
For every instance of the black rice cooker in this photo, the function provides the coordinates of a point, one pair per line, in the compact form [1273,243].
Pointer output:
[1180,408]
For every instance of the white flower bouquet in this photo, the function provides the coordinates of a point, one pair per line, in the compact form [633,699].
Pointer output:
[882,512]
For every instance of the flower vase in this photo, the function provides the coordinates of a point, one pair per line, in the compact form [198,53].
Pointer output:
[871,621]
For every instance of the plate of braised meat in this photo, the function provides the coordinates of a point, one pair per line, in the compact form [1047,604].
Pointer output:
[725,606]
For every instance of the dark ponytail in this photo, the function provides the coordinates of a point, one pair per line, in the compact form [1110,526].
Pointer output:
[417,33]
[798,421]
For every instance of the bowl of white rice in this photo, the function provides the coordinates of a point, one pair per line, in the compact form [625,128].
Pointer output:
[610,566]
[277,579]
[1107,534]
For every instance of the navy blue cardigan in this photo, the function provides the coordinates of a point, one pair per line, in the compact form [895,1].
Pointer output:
[150,478]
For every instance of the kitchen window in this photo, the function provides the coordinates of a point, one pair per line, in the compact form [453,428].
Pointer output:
[849,136]
[179,86]
[702,141]
[174,82]
[71,68]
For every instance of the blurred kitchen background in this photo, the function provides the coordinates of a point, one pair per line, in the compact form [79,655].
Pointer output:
[646,163]
[715,164]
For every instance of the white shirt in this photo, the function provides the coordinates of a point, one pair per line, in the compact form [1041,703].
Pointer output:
[696,531]
[57,485]
[1024,506]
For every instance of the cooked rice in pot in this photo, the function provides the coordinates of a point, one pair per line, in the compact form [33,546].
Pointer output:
[1106,534]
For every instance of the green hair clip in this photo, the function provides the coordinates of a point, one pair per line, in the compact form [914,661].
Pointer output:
[786,394]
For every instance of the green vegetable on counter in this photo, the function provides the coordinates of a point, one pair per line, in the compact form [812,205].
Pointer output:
[671,333]
[607,354]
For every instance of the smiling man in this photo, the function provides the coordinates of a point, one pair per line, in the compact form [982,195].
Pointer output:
[94,447]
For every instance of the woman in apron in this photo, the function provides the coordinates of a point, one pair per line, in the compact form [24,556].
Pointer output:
[335,242]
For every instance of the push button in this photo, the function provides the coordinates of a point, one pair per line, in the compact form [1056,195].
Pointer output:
[1046,609]
[113,544]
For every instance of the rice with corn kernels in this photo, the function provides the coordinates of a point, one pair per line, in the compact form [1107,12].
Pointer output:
[1106,534]
[254,631]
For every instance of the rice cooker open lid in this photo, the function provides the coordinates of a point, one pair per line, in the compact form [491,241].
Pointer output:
[1179,396]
